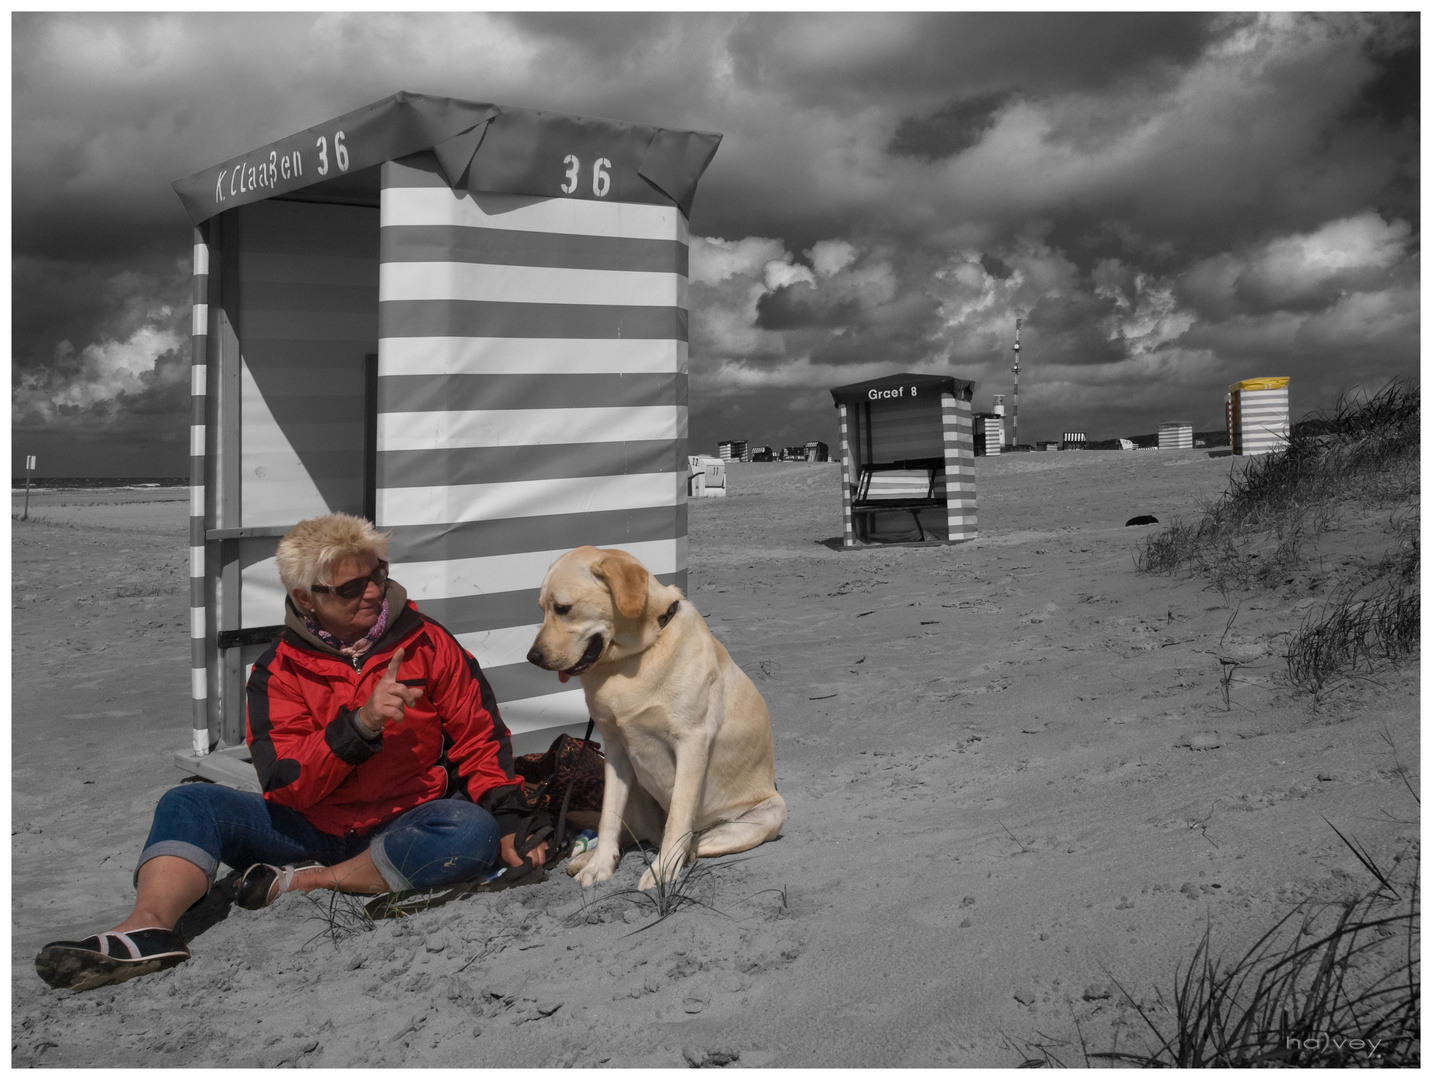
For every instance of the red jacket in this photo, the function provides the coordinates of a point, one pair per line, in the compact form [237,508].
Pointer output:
[312,755]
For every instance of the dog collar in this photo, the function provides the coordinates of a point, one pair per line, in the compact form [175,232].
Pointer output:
[662,620]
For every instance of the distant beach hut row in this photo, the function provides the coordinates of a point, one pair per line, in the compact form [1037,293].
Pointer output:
[739,450]
[733,450]
[1256,416]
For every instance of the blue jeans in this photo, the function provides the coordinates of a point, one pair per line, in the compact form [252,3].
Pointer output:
[437,843]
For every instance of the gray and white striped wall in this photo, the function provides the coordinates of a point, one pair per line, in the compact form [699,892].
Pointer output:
[532,397]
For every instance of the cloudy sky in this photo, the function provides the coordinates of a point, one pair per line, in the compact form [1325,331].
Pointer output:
[1170,202]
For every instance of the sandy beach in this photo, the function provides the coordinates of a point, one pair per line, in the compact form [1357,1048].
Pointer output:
[1019,775]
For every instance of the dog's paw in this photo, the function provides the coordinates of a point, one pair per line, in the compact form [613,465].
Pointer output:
[668,869]
[576,862]
[598,868]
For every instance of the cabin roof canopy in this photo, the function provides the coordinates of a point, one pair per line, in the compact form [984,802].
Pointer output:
[1276,382]
[481,147]
[854,393]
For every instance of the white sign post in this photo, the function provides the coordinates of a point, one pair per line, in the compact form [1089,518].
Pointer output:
[29,466]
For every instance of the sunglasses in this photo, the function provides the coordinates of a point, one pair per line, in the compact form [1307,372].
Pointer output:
[352,590]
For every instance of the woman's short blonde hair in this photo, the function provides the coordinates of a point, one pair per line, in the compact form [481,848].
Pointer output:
[311,549]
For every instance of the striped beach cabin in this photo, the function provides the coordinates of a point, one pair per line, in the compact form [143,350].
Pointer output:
[894,427]
[465,321]
[1175,435]
[1258,415]
[988,434]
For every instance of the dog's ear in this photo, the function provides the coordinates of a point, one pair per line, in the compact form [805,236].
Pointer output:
[627,579]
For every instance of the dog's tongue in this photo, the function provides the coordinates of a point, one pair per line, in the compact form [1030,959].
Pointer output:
[562,676]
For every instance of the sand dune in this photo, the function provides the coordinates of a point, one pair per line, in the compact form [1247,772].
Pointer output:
[1014,772]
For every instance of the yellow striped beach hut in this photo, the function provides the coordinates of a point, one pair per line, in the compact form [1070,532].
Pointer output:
[1258,415]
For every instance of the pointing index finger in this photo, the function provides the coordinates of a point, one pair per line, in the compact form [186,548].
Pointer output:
[394,663]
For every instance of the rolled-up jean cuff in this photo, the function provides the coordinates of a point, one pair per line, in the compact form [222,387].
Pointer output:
[188,852]
[392,876]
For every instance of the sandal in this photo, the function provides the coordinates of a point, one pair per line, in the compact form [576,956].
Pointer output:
[111,957]
[262,884]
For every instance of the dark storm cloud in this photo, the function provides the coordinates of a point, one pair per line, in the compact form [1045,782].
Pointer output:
[994,266]
[842,58]
[599,37]
[1394,94]
[1075,330]
[800,306]
[955,127]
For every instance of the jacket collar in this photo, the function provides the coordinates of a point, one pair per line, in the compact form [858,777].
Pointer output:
[400,622]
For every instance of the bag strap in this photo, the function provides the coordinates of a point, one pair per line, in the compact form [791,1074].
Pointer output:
[567,798]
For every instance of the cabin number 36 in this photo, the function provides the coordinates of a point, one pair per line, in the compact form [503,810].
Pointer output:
[601,178]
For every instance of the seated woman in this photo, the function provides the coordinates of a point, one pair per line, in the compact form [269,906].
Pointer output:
[384,763]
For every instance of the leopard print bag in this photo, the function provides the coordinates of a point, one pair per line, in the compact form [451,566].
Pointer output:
[567,782]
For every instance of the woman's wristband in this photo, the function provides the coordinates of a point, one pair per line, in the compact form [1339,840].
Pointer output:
[364,728]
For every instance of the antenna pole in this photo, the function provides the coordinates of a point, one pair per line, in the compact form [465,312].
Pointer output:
[1017,324]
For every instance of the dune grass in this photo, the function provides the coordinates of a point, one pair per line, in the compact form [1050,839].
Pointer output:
[341,916]
[1359,452]
[1353,633]
[692,886]
[1360,456]
[1330,986]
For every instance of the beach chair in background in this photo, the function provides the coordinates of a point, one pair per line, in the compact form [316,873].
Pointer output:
[707,479]
[907,486]
[907,460]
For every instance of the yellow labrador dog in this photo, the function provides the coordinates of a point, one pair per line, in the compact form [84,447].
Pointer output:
[689,750]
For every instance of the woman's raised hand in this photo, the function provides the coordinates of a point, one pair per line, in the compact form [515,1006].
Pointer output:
[390,698]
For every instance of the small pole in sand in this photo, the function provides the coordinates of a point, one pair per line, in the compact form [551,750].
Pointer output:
[29,464]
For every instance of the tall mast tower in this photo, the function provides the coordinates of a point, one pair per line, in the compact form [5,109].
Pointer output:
[1017,324]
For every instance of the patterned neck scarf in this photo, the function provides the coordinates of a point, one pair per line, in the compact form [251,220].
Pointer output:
[357,648]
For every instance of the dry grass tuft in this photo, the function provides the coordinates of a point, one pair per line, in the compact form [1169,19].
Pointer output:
[1335,987]
[1355,634]
[1328,986]
[342,916]
[694,885]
